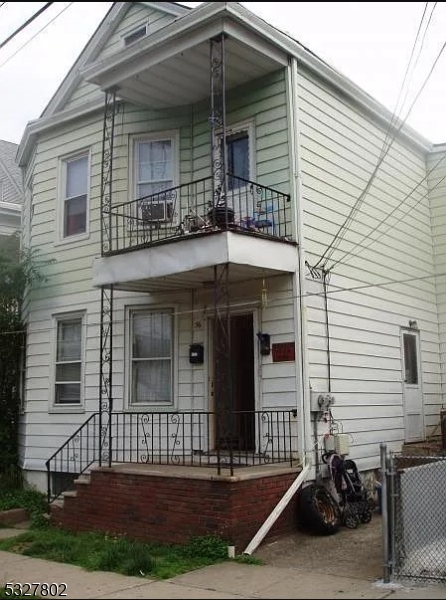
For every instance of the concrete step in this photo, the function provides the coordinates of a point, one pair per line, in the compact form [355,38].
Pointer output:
[69,494]
[83,479]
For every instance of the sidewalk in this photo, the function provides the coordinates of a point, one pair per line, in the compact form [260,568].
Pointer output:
[225,580]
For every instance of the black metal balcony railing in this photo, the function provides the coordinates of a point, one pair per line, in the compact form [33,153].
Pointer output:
[196,439]
[195,208]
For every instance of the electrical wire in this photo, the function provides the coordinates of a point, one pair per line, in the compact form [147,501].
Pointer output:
[2,4]
[412,69]
[352,252]
[249,302]
[25,24]
[35,35]
[343,228]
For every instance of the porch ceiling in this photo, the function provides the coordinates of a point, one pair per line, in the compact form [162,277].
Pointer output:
[172,68]
[189,264]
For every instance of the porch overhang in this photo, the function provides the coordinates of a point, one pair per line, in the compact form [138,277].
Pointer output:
[171,67]
[189,263]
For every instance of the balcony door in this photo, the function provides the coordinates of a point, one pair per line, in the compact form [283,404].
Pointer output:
[236,428]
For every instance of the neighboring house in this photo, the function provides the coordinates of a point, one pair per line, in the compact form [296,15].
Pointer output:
[11,190]
[190,178]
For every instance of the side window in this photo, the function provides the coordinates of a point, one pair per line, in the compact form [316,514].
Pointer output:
[68,364]
[154,173]
[75,195]
[151,357]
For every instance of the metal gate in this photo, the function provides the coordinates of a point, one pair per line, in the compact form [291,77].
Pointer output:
[414,516]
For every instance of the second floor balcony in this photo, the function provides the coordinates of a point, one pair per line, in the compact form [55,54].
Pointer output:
[174,238]
[198,209]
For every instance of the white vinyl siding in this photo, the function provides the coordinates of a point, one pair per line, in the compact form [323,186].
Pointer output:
[136,16]
[436,165]
[339,149]
[263,104]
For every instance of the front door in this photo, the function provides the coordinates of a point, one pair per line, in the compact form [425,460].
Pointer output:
[412,392]
[236,425]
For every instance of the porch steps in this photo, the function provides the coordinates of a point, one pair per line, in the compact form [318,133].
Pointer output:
[57,505]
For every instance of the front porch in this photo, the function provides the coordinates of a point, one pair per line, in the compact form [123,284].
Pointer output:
[211,444]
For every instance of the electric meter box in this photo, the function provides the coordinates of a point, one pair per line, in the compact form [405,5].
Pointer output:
[342,443]
[321,402]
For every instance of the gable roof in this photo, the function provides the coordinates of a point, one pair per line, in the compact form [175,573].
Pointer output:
[8,165]
[96,43]
[192,18]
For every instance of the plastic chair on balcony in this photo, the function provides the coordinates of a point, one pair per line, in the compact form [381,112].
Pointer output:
[264,218]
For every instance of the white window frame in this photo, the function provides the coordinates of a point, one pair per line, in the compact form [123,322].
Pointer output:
[153,406]
[132,31]
[63,161]
[65,317]
[174,137]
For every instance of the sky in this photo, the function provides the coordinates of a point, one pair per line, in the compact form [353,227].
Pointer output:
[369,42]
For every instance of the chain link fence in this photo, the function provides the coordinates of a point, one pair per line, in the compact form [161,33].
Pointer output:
[415,517]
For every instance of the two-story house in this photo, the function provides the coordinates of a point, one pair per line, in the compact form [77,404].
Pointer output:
[227,259]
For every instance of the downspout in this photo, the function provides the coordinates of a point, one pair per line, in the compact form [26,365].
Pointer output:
[300,332]
[325,275]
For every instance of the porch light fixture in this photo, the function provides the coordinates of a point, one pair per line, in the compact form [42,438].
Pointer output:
[413,324]
[265,343]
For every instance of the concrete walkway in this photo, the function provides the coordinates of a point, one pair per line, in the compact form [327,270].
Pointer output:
[225,580]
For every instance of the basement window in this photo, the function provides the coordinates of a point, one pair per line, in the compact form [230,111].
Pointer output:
[136,34]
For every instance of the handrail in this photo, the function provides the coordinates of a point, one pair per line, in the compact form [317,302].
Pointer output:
[74,457]
[245,438]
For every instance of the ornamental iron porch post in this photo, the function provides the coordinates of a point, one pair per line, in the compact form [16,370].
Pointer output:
[223,393]
[106,340]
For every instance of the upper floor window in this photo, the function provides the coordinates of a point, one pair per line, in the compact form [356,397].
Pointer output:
[136,34]
[68,367]
[75,195]
[155,172]
[151,357]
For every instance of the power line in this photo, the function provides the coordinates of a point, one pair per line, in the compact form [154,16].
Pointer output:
[397,207]
[384,149]
[28,22]
[2,4]
[417,58]
[341,232]
[35,35]
[204,310]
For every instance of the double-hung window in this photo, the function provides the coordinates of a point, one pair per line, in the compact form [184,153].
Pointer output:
[151,357]
[154,172]
[68,379]
[75,195]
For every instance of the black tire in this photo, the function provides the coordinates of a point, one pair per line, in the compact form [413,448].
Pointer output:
[366,516]
[318,510]
[351,521]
